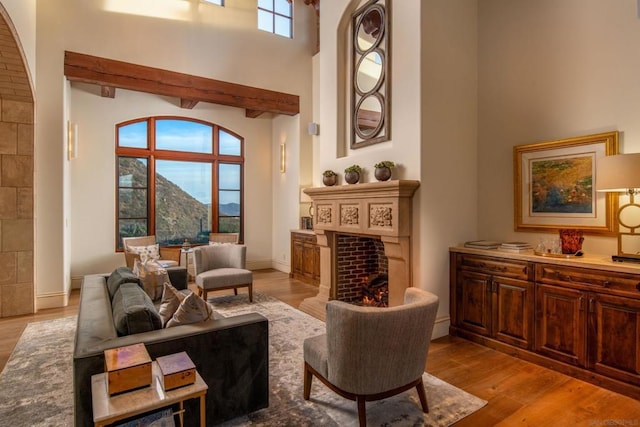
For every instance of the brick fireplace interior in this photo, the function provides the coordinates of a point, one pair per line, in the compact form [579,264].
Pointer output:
[362,268]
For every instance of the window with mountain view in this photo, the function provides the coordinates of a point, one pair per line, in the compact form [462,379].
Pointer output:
[171,171]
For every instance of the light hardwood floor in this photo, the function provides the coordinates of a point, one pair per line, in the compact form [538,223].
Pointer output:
[519,393]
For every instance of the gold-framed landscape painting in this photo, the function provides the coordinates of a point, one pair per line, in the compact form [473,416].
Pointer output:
[554,183]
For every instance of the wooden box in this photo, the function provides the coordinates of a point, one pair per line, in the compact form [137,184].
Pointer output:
[127,368]
[177,370]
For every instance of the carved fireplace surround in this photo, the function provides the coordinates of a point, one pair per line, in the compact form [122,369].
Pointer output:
[378,209]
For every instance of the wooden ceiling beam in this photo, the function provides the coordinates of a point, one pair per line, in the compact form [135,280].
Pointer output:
[252,114]
[188,103]
[79,67]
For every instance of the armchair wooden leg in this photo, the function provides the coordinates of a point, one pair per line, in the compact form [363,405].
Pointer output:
[308,377]
[250,292]
[362,411]
[423,397]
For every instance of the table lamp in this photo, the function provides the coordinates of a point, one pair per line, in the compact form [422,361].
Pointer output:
[621,174]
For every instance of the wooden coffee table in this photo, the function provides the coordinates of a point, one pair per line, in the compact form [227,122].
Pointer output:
[109,409]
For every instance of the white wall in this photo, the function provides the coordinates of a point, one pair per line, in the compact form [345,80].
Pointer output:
[186,36]
[446,209]
[551,70]
[404,146]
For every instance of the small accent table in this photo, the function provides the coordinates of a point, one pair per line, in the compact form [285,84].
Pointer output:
[109,409]
[186,252]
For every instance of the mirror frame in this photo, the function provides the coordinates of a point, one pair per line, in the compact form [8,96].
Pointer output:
[381,90]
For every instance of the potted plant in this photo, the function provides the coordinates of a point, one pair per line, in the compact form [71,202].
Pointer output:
[352,174]
[383,170]
[329,177]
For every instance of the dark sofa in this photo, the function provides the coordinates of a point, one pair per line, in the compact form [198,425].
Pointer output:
[231,355]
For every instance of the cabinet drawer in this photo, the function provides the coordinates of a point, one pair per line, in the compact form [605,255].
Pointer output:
[304,238]
[497,266]
[595,280]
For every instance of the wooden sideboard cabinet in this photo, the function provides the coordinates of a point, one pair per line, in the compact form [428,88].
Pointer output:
[578,316]
[494,298]
[305,257]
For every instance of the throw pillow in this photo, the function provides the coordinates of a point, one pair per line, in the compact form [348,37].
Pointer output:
[119,276]
[146,252]
[153,276]
[133,311]
[192,309]
[171,299]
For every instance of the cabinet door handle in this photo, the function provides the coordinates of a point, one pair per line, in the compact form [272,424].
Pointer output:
[592,305]
[524,270]
[581,303]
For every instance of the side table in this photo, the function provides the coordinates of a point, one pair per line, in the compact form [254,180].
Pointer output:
[109,409]
[186,253]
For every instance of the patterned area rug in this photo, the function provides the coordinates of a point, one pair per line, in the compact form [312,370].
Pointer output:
[36,384]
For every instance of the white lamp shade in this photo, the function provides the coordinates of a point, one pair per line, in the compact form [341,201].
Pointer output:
[618,173]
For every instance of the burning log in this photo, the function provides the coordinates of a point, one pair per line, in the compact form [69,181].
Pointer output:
[375,292]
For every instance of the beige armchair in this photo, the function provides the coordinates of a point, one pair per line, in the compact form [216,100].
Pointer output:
[222,267]
[130,256]
[371,353]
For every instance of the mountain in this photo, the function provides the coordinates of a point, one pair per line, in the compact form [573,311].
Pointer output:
[230,209]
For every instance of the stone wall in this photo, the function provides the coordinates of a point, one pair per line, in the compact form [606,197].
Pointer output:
[16,208]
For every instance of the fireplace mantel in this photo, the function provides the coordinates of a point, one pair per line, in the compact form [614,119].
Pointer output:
[376,209]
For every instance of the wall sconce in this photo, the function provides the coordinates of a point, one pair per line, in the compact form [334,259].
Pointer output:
[621,174]
[283,158]
[72,140]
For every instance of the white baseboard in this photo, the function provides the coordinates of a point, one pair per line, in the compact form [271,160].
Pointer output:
[441,327]
[281,266]
[258,264]
[53,300]
[76,282]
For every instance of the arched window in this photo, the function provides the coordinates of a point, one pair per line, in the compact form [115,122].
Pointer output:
[170,172]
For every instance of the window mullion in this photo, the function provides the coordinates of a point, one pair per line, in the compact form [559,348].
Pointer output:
[151,196]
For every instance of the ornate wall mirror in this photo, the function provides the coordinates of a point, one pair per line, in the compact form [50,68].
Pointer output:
[370,107]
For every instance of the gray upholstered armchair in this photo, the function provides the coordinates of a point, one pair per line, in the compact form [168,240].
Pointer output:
[390,342]
[222,267]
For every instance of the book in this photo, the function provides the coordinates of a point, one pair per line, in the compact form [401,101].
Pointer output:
[517,245]
[482,244]
[515,250]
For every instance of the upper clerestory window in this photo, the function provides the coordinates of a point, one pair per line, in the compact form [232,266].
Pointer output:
[275,17]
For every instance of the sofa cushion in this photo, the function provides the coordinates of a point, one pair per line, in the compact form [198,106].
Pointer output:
[119,276]
[192,309]
[171,299]
[133,311]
